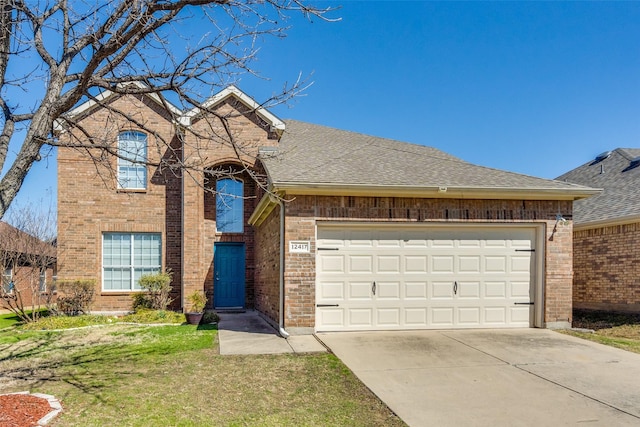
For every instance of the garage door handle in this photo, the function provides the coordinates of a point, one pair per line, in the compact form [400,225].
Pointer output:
[455,288]
[523,303]
[373,288]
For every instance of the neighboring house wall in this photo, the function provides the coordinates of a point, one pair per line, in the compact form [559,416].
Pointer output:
[27,281]
[303,212]
[607,268]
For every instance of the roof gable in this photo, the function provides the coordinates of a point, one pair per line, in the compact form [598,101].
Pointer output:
[233,92]
[108,95]
[619,177]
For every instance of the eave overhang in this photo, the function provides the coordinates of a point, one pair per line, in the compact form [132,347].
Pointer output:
[612,222]
[440,192]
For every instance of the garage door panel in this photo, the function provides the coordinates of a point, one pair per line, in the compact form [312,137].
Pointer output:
[415,291]
[415,271]
[388,290]
[442,290]
[494,316]
[415,317]
[495,264]
[360,264]
[442,317]
[388,317]
[360,291]
[520,290]
[497,290]
[359,317]
[468,316]
[416,264]
[468,290]
[469,244]
[442,264]
[469,264]
[332,264]
[389,264]
[332,290]
[521,264]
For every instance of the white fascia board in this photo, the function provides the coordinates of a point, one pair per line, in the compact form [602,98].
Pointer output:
[243,97]
[433,192]
[104,96]
[602,223]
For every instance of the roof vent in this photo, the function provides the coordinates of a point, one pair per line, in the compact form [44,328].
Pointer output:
[267,151]
[600,157]
[634,162]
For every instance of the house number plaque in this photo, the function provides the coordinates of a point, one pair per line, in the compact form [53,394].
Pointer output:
[299,247]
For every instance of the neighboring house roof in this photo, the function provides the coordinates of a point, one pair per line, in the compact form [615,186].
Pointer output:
[313,159]
[17,241]
[619,177]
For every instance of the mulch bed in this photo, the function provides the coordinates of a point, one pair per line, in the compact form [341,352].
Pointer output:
[22,410]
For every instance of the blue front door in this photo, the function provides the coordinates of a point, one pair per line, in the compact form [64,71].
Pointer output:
[228,275]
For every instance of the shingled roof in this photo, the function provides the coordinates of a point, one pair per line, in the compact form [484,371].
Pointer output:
[619,177]
[318,158]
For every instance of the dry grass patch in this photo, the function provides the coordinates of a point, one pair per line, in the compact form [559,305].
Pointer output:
[621,330]
[173,375]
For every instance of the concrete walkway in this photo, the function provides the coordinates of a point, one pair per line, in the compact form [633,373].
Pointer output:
[249,333]
[525,377]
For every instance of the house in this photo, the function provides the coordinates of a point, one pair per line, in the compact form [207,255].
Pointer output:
[27,265]
[316,228]
[607,232]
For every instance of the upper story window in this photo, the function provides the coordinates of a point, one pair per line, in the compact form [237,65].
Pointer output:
[229,206]
[132,157]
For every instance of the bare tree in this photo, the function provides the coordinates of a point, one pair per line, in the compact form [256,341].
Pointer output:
[27,261]
[64,52]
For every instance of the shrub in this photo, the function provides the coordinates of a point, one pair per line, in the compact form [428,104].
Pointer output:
[198,300]
[158,287]
[77,296]
[210,317]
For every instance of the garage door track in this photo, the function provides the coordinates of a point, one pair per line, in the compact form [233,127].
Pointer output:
[521,377]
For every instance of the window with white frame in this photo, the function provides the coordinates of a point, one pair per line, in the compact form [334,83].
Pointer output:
[126,257]
[229,206]
[7,279]
[42,284]
[132,158]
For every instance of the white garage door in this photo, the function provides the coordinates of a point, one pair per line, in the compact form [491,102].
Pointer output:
[399,277]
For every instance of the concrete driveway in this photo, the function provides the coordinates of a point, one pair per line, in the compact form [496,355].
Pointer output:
[523,377]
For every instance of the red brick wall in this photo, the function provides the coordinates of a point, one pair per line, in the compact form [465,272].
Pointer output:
[210,146]
[267,267]
[303,212]
[607,267]
[26,281]
[90,204]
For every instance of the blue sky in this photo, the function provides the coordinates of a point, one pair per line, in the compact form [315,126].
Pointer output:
[531,87]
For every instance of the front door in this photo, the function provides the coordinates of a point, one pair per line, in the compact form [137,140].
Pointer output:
[228,275]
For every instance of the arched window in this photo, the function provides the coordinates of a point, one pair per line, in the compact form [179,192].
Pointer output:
[132,158]
[229,206]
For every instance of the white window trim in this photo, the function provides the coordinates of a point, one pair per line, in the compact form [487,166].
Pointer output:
[137,165]
[240,180]
[131,260]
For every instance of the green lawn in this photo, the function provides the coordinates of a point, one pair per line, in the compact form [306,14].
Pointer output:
[8,319]
[129,375]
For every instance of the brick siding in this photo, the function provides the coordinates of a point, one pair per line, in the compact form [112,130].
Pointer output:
[607,268]
[90,204]
[304,211]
